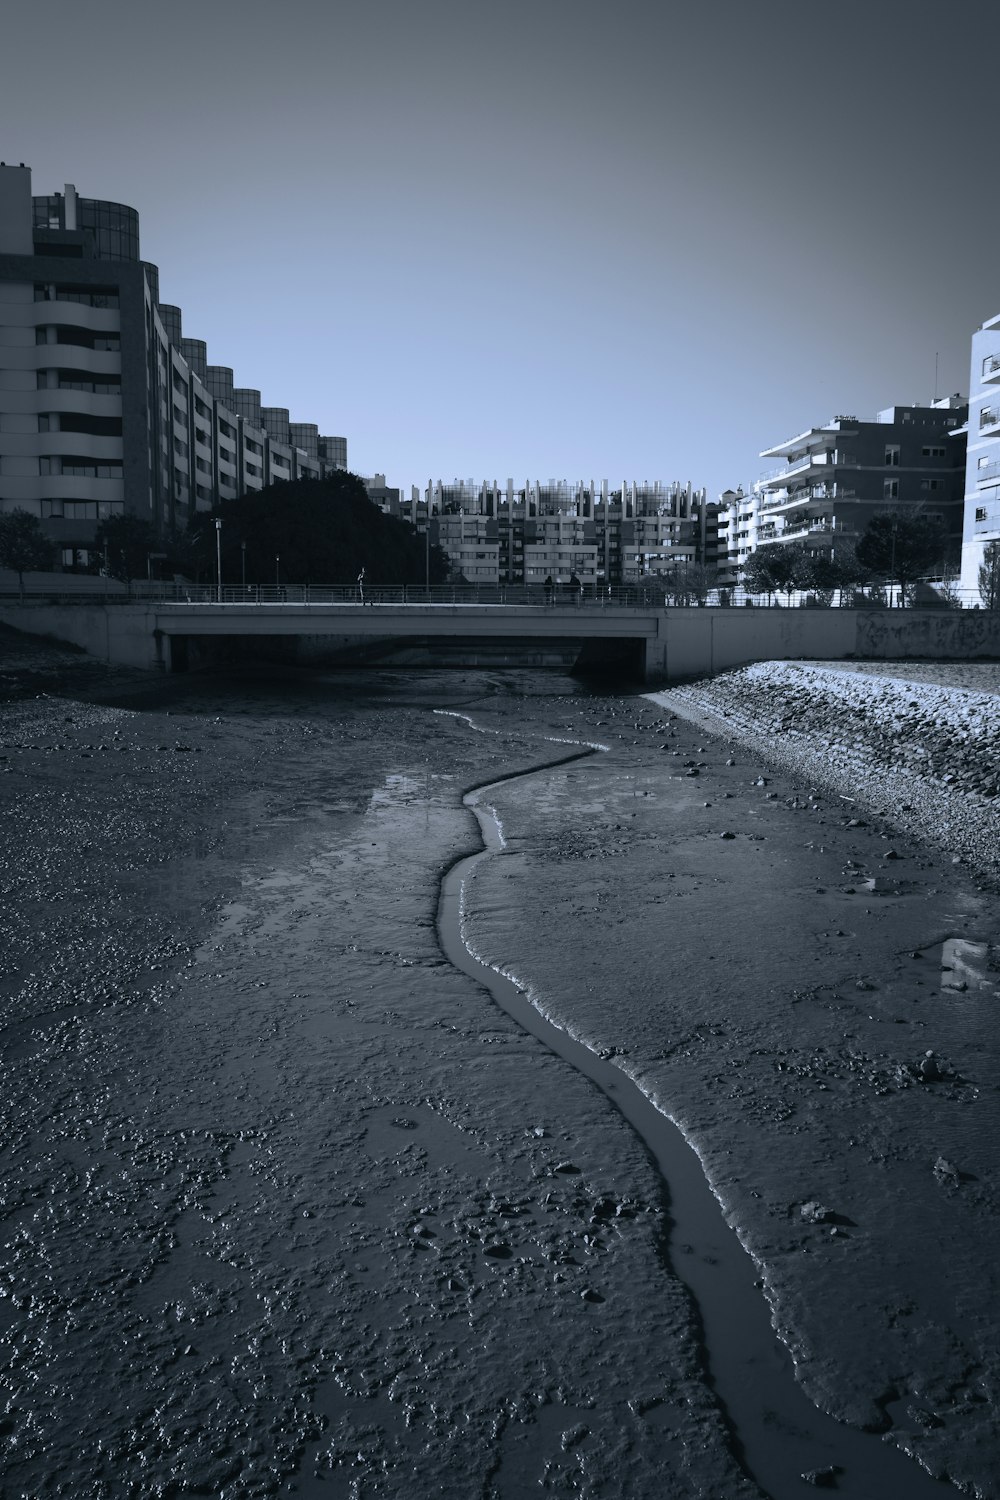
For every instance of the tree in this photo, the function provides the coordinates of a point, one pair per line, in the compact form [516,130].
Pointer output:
[127,542]
[24,547]
[901,547]
[989,576]
[323,530]
[757,575]
[687,583]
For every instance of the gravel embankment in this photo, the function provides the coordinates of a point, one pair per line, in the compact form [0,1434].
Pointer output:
[918,742]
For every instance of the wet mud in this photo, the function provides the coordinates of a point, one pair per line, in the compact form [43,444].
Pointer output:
[292,1206]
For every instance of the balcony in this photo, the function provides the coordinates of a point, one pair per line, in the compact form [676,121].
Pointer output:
[991,369]
[989,473]
[829,530]
[989,419]
[810,496]
[793,467]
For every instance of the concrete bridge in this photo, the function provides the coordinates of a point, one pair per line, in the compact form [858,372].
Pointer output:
[640,639]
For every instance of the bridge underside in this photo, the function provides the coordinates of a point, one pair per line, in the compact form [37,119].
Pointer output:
[623,656]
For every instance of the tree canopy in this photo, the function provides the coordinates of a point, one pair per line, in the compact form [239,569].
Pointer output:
[24,547]
[127,543]
[989,576]
[903,547]
[792,565]
[323,531]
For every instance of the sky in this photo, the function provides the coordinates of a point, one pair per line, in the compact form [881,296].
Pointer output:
[548,238]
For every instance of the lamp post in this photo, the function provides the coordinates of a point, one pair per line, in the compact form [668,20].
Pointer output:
[243,566]
[218,554]
[277,570]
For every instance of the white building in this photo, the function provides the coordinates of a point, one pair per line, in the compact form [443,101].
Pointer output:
[982,465]
[105,406]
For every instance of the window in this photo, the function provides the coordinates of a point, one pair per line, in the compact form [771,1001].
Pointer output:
[71,421]
[180,416]
[180,448]
[48,422]
[983,462]
[890,489]
[180,383]
[202,466]
[253,447]
[226,430]
[227,454]
[892,453]
[980,512]
[79,380]
[201,408]
[202,436]
[80,468]
[933,452]
[932,484]
[254,469]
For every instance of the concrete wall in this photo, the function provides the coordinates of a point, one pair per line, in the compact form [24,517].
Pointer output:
[125,634]
[696,642]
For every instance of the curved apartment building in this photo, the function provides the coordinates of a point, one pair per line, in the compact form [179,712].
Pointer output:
[105,406]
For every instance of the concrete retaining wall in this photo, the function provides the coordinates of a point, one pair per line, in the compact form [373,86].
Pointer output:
[125,634]
[698,642]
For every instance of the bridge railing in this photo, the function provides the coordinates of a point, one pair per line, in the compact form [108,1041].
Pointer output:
[559,595]
[644,597]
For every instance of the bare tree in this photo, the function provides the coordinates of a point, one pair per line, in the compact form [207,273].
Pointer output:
[989,576]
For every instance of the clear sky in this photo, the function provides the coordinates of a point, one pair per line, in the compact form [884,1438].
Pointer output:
[542,238]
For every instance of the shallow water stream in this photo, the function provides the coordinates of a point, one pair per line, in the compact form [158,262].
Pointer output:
[778,1434]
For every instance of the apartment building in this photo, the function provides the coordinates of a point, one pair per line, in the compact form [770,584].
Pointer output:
[738,519]
[560,530]
[982,472]
[834,478]
[105,406]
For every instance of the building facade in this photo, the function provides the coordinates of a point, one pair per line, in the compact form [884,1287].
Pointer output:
[835,478]
[105,406]
[982,472]
[528,533]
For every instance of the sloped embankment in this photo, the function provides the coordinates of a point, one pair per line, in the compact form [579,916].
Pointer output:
[919,744]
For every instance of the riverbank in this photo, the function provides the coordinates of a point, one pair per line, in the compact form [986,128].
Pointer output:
[810,994]
[293,1207]
[917,742]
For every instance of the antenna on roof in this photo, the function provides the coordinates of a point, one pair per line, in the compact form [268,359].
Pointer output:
[935,375]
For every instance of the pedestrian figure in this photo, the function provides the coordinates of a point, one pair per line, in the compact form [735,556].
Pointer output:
[550,589]
[361,585]
[576,585]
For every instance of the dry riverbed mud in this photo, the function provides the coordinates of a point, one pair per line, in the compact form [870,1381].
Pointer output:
[292,1207]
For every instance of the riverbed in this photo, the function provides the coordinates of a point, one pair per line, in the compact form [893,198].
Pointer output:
[299,1201]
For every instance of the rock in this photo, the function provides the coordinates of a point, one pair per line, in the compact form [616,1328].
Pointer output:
[928,1069]
[727,835]
[946,1172]
[816,1213]
[823,1479]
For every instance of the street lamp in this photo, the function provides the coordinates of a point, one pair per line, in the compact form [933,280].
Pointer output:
[243,566]
[218,554]
[277,570]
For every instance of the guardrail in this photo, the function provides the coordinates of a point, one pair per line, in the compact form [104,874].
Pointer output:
[641,597]
[561,595]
